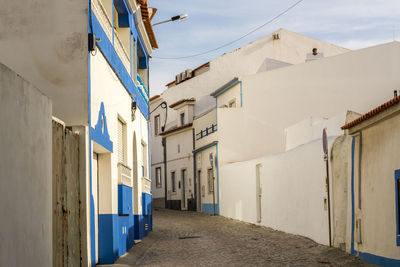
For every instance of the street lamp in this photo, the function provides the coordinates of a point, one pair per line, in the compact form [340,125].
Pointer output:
[174,18]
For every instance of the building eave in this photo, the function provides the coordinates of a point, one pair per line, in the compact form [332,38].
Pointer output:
[225,87]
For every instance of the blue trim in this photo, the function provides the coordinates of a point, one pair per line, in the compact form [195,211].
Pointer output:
[209,208]
[396,181]
[100,137]
[382,261]
[225,87]
[205,147]
[115,62]
[241,95]
[353,144]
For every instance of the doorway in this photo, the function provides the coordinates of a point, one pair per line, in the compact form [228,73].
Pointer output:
[199,190]
[95,192]
[258,191]
[184,188]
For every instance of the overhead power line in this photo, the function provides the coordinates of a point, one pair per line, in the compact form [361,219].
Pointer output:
[238,39]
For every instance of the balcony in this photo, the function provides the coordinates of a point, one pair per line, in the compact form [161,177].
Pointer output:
[101,14]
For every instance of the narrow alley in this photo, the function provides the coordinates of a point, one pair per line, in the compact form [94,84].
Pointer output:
[196,239]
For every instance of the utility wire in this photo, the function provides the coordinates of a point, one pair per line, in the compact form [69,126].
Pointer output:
[238,39]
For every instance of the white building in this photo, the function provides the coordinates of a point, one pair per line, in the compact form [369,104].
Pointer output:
[91,60]
[272,170]
[276,50]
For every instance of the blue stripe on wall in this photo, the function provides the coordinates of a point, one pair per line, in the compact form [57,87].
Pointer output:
[115,62]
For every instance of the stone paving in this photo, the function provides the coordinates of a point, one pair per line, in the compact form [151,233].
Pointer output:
[194,239]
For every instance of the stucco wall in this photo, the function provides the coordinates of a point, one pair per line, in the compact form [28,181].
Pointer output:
[380,144]
[107,89]
[25,173]
[46,43]
[249,59]
[358,80]
[293,191]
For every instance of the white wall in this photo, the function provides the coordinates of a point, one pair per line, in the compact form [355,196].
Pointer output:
[107,88]
[25,173]
[358,80]
[176,161]
[46,43]
[249,59]
[293,191]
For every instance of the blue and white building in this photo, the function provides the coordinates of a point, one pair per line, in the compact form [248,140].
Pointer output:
[92,60]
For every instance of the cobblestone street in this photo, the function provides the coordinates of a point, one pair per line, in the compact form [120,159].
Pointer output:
[194,239]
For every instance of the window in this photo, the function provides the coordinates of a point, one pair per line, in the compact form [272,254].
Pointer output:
[232,103]
[173,181]
[158,177]
[179,148]
[182,119]
[144,160]
[156,125]
[210,175]
[121,141]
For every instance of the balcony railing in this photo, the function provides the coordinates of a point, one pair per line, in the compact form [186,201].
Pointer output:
[206,132]
[141,85]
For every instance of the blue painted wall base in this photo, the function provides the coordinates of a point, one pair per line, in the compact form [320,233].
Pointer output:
[209,208]
[382,261]
[116,236]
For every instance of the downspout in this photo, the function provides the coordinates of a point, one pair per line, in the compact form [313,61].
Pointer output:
[194,169]
[164,144]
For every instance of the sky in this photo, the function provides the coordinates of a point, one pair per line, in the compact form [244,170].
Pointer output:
[353,24]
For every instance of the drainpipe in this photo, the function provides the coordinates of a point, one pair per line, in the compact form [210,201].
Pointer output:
[164,144]
[194,170]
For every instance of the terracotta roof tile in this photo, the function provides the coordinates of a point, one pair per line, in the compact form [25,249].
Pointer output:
[372,113]
[154,97]
[182,101]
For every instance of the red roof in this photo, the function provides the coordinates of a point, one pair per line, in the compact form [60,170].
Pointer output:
[372,113]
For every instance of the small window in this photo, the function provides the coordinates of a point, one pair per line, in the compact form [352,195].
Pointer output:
[173,181]
[156,125]
[210,174]
[158,177]
[121,141]
[179,148]
[144,160]
[182,119]
[232,103]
